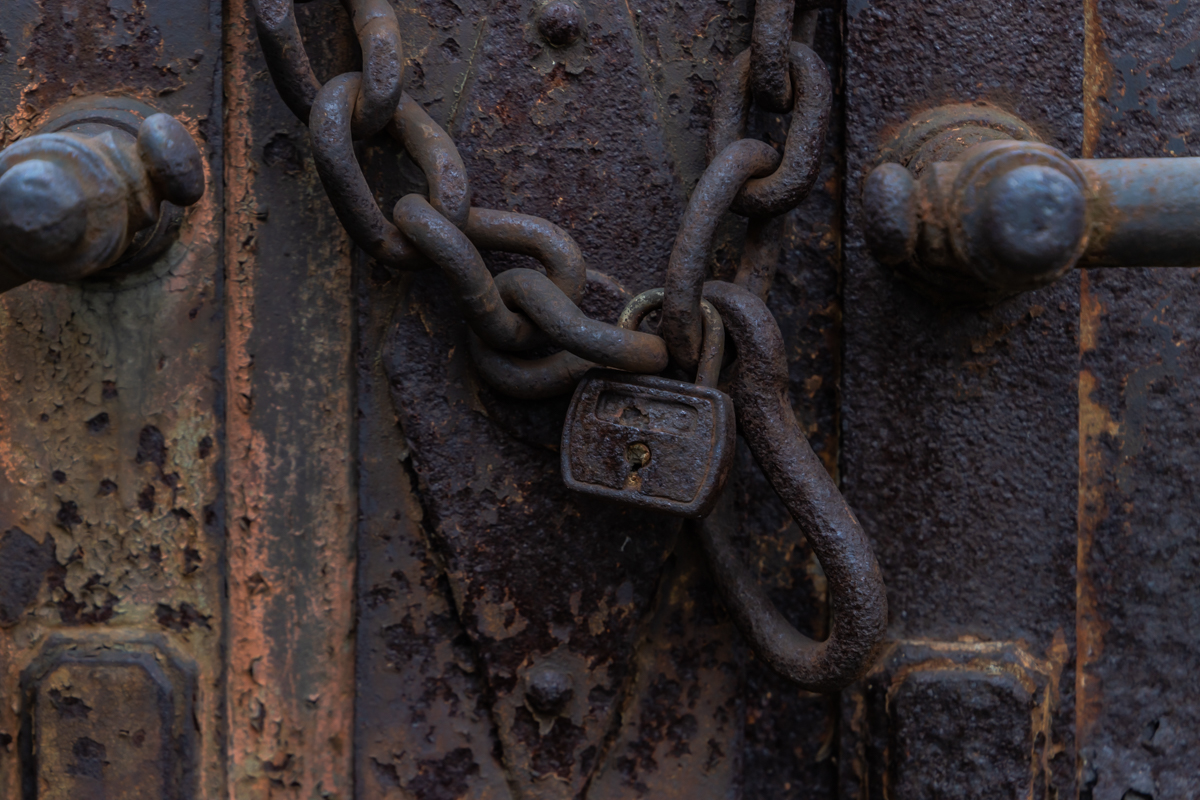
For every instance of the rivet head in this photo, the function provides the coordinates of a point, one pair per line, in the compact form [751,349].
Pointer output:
[560,23]
[548,690]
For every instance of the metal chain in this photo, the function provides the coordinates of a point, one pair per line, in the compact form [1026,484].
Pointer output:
[522,309]
[748,177]
[519,309]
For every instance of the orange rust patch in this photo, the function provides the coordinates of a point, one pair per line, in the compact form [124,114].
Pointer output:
[1094,423]
[291,539]
[1097,76]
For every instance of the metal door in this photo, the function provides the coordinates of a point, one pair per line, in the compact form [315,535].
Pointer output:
[264,533]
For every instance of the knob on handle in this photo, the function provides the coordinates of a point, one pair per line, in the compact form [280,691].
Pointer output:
[173,161]
[71,202]
[1003,218]
[972,215]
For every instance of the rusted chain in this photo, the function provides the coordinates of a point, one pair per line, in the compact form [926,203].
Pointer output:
[347,188]
[510,232]
[681,317]
[760,255]
[379,38]
[352,199]
[857,599]
[287,60]
[383,65]
[769,40]
[812,98]
[519,309]
[438,240]
[535,378]
[550,376]
[434,152]
[565,325]
[712,350]
[528,378]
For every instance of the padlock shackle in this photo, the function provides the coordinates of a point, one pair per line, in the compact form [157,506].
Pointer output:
[712,347]
[857,598]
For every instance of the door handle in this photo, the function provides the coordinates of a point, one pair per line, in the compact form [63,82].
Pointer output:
[971,207]
[99,185]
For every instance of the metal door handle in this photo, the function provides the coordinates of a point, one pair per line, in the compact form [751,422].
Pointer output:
[74,196]
[972,208]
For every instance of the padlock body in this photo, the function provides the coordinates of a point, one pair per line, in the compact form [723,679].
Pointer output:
[650,442]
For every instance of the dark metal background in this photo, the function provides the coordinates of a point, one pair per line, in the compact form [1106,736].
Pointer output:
[1027,473]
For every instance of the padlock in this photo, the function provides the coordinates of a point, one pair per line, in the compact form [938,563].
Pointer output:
[648,441]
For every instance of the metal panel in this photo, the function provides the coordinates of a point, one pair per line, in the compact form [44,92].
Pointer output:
[604,138]
[960,425]
[110,459]
[291,500]
[108,719]
[1139,545]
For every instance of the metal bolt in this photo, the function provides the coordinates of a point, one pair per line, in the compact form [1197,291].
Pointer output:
[560,23]
[71,203]
[1034,219]
[43,210]
[548,690]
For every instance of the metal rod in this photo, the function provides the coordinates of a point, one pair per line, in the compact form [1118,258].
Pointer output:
[1144,212]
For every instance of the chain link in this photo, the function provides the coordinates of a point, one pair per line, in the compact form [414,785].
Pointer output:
[812,100]
[520,310]
[720,184]
[769,40]
[378,33]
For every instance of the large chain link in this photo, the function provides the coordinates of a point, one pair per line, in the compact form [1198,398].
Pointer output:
[519,309]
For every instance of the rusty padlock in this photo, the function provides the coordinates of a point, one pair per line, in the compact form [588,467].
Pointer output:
[649,441]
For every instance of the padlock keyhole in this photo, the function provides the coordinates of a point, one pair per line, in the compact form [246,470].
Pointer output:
[637,455]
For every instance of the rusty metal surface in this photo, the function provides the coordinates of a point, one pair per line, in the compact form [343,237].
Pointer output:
[780,191]
[291,502]
[105,718]
[682,725]
[769,45]
[681,326]
[960,427]
[1138,550]
[110,461]
[548,129]
[948,720]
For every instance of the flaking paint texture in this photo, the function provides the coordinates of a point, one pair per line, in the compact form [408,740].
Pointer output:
[110,454]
